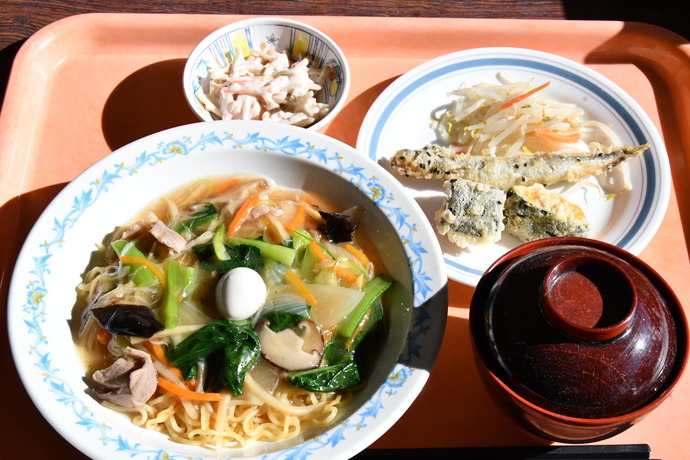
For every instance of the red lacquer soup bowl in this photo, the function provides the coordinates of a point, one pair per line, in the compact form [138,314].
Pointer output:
[577,339]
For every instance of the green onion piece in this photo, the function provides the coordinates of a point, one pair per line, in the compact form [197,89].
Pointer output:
[372,291]
[282,254]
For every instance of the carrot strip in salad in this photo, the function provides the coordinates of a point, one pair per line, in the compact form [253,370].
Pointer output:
[158,353]
[524,96]
[187,394]
[242,213]
[302,288]
[569,136]
[155,269]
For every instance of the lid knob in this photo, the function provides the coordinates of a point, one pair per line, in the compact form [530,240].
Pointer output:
[588,297]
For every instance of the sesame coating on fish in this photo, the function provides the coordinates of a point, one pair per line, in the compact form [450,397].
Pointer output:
[437,162]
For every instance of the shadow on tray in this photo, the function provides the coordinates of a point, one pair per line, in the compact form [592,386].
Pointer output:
[18,216]
[146,102]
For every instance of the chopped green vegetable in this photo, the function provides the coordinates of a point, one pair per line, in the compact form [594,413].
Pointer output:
[308,262]
[209,212]
[282,254]
[140,274]
[300,239]
[330,378]
[229,348]
[238,359]
[219,244]
[178,278]
[279,320]
[343,348]
[337,351]
[238,256]
[372,292]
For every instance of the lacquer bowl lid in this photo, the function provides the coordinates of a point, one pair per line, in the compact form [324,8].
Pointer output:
[579,329]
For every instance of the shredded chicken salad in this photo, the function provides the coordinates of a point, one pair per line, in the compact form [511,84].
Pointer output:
[265,85]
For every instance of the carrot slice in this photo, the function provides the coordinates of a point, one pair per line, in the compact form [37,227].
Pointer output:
[103,336]
[345,274]
[224,186]
[242,213]
[364,260]
[524,96]
[298,219]
[569,136]
[341,272]
[187,394]
[159,354]
[302,288]
[146,263]
[318,251]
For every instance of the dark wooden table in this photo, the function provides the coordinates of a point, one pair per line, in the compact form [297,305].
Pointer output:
[19,19]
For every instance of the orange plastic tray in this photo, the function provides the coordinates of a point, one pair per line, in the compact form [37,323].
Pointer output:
[89,84]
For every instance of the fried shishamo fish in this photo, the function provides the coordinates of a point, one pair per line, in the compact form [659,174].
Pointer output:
[437,162]
[535,212]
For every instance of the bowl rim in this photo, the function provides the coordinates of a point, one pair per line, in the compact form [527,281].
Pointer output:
[208,40]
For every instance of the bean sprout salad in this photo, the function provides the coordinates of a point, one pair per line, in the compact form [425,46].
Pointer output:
[511,117]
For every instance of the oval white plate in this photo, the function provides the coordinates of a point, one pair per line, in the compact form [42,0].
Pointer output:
[400,118]
[114,190]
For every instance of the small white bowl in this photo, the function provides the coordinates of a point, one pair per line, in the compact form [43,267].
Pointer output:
[279,34]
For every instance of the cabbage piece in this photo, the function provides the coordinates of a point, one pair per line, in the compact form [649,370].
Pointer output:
[333,303]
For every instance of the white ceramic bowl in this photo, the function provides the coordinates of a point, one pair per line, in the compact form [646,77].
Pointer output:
[400,118]
[280,34]
[114,190]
